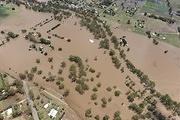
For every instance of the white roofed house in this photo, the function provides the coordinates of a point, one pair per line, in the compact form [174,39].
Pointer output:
[7,113]
[52,113]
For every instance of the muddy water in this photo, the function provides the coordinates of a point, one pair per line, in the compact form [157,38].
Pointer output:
[162,68]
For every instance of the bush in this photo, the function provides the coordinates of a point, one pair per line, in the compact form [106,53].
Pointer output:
[12,35]
[117,116]
[45,41]
[93,96]
[79,89]
[38,61]
[91,70]
[88,113]
[99,84]
[106,117]
[95,89]
[104,44]
[97,117]
[117,93]
[66,93]
[61,86]
[108,89]
[136,108]
[22,76]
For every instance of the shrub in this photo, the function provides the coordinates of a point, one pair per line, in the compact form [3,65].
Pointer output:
[95,89]
[66,93]
[93,96]
[61,86]
[22,76]
[99,84]
[88,113]
[38,61]
[97,117]
[117,93]
[104,44]
[106,117]
[108,89]
[117,116]
[91,70]
[45,41]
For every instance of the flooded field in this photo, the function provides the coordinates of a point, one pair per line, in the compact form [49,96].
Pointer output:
[15,58]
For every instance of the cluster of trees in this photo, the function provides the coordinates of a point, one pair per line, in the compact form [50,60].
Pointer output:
[104,102]
[73,72]
[144,78]
[31,37]
[19,86]
[117,115]
[81,86]
[114,40]
[107,28]
[164,19]
[136,108]
[116,62]
[12,35]
[8,92]
[94,27]
[45,41]
[132,96]
[104,44]
[170,104]
[79,62]
[16,111]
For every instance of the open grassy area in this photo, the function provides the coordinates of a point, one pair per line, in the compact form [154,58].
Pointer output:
[4,12]
[172,39]
[159,7]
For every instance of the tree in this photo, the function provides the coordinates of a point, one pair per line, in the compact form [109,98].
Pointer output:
[66,93]
[178,31]
[63,64]
[88,113]
[94,96]
[117,93]
[97,117]
[22,76]
[106,117]
[117,116]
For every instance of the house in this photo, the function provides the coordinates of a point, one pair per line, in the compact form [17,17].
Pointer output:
[52,113]
[7,113]
[46,105]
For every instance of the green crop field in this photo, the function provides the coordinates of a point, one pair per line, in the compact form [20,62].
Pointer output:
[3,11]
[159,8]
[172,39]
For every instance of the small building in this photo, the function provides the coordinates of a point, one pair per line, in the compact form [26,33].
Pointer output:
[7,113]
[46,105]
[52,113]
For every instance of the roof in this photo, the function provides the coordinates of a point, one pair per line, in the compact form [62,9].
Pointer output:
[46,105]
[7,113]
[52,113]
